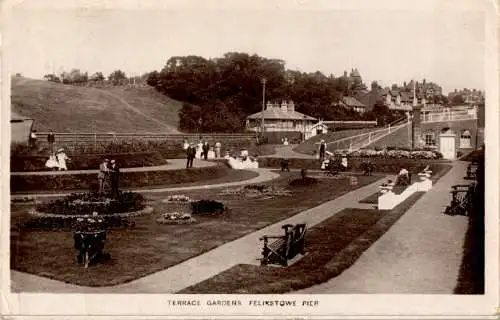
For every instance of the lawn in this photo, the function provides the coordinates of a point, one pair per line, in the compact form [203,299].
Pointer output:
[332,246]
[150,247]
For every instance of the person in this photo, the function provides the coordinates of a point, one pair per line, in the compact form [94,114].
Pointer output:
[102,175]
[52,162]
[199,150]
[33,138]
[61,159]
[206,148]
[284,165]
[191,154]
[114,176]
[186,144]
[51,139]
[322,150]
[218,147]
[285,141]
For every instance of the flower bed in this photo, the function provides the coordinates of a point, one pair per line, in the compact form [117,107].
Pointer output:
[58,223]
[81,204]
[382,165]
[175,218]
[256,191]
[391,154]
[87,161]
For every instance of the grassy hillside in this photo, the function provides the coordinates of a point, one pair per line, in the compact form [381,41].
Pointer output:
[67,108]
[398,139]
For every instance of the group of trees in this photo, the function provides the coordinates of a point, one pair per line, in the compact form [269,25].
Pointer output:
[77,77]
[219,93]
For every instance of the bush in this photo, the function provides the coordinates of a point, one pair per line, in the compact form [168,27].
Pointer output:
[88,161]
[207,206]
[68,224]
[305,181]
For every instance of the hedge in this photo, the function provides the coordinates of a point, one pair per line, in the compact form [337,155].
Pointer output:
[88,181]
[88,161]
[380,164]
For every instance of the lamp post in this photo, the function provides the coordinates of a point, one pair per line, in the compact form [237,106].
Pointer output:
[263,81]
[304,127]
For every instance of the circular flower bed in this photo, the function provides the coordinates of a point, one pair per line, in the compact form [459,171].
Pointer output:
[82,204]
[177,198]
[175,218]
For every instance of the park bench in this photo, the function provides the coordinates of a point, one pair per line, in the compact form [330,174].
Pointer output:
[462,199]
[284,163]
[90,246]
[284,248]
[471,170]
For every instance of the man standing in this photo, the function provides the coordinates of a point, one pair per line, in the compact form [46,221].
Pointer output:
[33,138]
[101,176]
[115,179]
[322,150]
[51,139]
[191,153]
[206,147]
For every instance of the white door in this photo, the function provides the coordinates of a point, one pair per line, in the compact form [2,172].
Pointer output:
[447,146]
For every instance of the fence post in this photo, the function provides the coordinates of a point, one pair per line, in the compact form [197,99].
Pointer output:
[389,128]
[95,142]
[370,137]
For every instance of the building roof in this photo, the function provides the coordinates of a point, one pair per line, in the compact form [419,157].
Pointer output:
[352,102]
[278,114]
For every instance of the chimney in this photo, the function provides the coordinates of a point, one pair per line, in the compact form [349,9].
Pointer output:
[291,106]
[345,73]
[284,106]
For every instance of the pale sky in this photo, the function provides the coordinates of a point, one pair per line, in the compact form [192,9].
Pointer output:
[387,43]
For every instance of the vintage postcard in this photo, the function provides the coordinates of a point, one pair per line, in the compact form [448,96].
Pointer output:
[249,159]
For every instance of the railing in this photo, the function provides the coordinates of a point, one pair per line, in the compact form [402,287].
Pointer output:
[71,141]
[357,141]
[449,116]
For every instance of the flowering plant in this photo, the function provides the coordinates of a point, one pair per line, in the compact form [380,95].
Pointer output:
[178,198]
[89,223]
[175,218]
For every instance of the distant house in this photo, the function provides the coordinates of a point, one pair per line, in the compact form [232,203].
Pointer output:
[283,120]
[20,127]
[352,103]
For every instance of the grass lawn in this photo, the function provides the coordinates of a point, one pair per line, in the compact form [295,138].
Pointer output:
[332,246]
[151,247]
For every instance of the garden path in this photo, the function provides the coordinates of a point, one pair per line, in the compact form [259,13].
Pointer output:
[288,152]
[420,254]
[264,176]
[245,250]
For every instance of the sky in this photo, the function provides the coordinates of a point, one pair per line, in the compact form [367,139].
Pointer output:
[386,43]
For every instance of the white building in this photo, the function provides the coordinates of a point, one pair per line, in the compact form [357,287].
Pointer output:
[282,118]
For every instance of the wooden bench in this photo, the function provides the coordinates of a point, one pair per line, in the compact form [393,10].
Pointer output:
[90,246]
[462,199]
[471,170]
[283,248]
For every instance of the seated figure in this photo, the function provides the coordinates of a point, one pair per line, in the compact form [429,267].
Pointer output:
[403,178]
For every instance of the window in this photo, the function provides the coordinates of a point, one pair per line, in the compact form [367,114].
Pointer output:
[465,139]
[430,139]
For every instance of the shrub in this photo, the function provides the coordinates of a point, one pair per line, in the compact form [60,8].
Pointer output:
[207,206]
[305,181]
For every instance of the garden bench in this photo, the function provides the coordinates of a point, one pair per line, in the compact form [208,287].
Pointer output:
[283,248]
[471,170]
[90,246]
[462,199]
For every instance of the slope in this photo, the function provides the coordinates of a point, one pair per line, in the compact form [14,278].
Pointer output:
[67,108]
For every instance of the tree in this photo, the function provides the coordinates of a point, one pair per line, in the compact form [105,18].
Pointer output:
[457,100]
[382,113]
[117,77]
[97,77]
[52,77]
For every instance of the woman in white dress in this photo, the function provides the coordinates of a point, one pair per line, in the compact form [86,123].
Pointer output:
[52,162]
[61,159]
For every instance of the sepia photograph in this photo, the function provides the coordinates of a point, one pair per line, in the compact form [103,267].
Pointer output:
[249,158]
